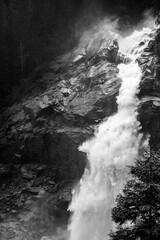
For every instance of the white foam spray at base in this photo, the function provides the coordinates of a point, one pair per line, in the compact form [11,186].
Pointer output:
[116,143]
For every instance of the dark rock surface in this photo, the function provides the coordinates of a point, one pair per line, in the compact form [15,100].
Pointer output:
[40,134]
[59,110]
[34,31]
[32,203]
[149,109]
[62,103]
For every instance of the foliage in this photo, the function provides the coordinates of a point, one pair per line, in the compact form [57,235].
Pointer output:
[137,210]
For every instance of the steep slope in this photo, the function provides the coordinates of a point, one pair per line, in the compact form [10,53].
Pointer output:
[60,107]
[59,111]
[34,31]
[116,144]
[40,135]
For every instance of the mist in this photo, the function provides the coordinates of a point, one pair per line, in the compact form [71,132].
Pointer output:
[117,140]
[49,69]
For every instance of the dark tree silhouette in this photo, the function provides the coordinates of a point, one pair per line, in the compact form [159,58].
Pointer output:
[137,210]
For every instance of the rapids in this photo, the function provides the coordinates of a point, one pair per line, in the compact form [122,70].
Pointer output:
[115,145]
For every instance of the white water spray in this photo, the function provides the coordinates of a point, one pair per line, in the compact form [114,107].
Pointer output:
[115,144]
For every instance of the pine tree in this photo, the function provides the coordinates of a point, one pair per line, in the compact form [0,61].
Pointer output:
[137,210]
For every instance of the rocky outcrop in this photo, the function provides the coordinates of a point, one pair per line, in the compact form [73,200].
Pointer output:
[62,103]
[40,162]
[34,31]
[149,109]
[33,204]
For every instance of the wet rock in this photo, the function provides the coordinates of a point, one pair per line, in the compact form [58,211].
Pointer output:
[65,91]
[149,116]
[121,58]
[79,58]
[25,208]
[59,205]
[149,111]
[113,51]
[59,111]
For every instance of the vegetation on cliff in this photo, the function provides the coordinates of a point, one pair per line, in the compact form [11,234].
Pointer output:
[137,210]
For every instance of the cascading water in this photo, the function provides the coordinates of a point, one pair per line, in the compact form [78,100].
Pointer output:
[116,143]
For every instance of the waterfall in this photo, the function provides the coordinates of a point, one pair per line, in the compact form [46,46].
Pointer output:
[115,145]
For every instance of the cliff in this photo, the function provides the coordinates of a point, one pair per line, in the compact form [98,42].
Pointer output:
[59,111]
[58,108]
[63,102]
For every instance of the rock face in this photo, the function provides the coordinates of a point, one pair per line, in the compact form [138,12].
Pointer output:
[149,109]
[32,204]
[34,31]
[62,103]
